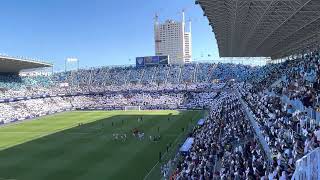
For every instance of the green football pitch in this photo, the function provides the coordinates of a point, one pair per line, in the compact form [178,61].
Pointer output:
[58,148]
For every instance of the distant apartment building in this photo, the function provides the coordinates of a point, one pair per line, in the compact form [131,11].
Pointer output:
[173,39]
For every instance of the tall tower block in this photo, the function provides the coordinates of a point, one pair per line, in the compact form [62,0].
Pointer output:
[172,39]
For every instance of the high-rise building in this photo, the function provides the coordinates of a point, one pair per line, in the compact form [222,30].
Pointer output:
[173,39]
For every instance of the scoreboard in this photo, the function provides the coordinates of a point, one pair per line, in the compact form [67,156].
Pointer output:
[151,61]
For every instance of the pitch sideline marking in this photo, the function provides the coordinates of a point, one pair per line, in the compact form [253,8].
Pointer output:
[162,156]
[175,141]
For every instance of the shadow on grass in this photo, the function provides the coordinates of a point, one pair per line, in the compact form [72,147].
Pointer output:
[88,151]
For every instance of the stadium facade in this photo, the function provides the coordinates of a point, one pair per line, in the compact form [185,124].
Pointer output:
[173,39]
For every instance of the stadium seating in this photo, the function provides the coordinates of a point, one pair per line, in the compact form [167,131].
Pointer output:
[107,78]
[282,99]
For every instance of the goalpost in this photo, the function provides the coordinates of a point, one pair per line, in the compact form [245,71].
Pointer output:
[132,108]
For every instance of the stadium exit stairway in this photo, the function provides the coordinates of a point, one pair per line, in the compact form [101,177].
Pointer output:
[256,128]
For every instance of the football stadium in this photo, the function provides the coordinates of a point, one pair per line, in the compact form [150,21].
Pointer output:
[169,117]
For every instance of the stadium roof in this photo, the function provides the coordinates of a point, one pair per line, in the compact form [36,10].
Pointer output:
[15,65]
[263,28]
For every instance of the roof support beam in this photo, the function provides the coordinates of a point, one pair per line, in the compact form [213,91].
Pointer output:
[281,24]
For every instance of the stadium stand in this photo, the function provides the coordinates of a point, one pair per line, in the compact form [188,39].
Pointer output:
[262,122]
[227,145]
[225,138]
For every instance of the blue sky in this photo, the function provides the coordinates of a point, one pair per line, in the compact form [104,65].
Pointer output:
[97,32]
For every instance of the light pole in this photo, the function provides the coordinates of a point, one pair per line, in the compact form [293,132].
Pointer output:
[65,65]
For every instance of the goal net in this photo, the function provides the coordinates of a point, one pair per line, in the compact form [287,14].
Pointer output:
[132,108]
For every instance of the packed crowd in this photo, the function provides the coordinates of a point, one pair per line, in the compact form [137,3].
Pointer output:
[145,100]
[290,134]
[21,110]
[224,147]
[200,100]
[297,79]
[302,81]
[120,78]
[28,109]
